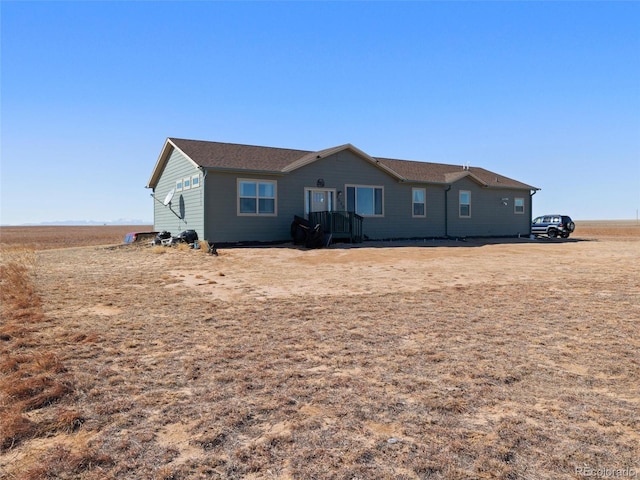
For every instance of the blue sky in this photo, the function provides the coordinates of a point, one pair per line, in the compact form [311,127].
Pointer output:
[544,92]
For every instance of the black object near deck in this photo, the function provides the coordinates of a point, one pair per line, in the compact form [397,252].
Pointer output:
[340,225]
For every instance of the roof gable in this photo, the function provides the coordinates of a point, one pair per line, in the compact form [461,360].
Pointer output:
[315,156]
[163,158]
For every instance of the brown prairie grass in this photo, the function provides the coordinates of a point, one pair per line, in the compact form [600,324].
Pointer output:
[31,377]
[488,369]
[158,249]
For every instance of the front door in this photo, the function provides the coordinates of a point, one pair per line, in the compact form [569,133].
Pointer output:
[318,200]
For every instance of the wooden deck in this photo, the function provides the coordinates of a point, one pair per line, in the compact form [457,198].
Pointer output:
[341,225]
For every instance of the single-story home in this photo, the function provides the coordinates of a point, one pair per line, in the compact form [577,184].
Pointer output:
[242,193]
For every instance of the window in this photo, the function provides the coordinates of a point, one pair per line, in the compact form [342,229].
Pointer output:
[465,203]
[256,197]
[179,185]
[419,195]
[186,183]
[365,201]
[518,205]
[195,181]
[318,200]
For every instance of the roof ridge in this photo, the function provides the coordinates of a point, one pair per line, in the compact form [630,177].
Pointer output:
[425,161]
[241,144]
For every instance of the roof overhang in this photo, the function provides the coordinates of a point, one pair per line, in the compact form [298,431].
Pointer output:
[243,171]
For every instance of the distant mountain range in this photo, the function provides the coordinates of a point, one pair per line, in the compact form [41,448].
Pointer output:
[120,221]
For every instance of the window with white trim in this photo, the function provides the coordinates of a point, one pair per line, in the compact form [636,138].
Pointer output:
[518,205]
[419,206]
[365,200]
[195,181]
[465,203]
[318,200]
[256,197]
[186,183]
[179,185]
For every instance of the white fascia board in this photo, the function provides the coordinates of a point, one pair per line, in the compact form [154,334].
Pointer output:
[165,153]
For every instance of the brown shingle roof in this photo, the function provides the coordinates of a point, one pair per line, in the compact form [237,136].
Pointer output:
[444,173]
[269,159]
[236,156]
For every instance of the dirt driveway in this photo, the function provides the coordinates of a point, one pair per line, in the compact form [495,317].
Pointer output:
[372,268]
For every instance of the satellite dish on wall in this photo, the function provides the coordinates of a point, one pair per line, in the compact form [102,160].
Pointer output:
[167,199]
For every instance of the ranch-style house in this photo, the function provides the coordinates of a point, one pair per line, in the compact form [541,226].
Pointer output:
[231,193]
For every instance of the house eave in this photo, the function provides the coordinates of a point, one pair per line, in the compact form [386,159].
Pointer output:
[245,171]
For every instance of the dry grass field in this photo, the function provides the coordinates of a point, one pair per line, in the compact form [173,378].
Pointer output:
[408,360]
[49,237]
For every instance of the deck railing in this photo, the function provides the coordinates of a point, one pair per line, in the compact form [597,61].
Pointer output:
[340,224]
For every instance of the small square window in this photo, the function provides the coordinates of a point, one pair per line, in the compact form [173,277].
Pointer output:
[195,181]
[186,183]
[518,205]
[179,185]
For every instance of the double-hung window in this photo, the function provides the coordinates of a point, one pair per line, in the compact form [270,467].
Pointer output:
[365,200]
[256,197]
[518,205]
[419,202]
[465,203]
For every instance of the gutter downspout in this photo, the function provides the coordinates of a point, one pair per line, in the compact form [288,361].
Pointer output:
[533,192]
[446,212]
[203,199]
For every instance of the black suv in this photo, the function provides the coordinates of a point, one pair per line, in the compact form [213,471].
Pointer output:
[553,225]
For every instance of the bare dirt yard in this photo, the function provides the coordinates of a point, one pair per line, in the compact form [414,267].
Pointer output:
[513,359]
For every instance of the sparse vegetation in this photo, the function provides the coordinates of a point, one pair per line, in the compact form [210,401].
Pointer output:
[32,378]
[342,363]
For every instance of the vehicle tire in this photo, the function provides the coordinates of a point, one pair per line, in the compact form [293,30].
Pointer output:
[553,233]
[571,226]
[565,235]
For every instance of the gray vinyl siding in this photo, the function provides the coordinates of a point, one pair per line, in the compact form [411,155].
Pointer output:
[223,222]
[489,216]
[187,204]
[344,168]
[212,209]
